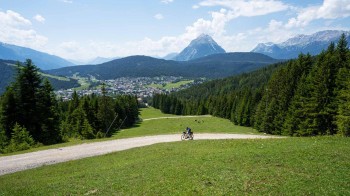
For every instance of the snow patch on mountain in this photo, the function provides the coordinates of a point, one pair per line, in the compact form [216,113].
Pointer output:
[292,47]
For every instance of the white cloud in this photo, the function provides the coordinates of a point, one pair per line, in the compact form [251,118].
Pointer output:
[84,51]
[230,10]
[158,16]
[195,6]
[166,1]
[39,18]
[215,26]
[247,7]
[277,30]
[13,19]
[67,1]
[15,29]
[330,9]
[88,50]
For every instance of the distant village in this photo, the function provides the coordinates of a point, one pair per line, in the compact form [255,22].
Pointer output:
[142,87]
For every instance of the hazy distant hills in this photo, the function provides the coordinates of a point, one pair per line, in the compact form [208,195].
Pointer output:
[213,66]
[42,60]
[9,69]
[202,46]
[95,61]
[7,74]
[291,48]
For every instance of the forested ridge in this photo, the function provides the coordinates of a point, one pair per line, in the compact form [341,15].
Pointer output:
[30,114]
[302,97]
[212,66]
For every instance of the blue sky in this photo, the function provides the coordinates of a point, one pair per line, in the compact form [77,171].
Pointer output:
[85,29]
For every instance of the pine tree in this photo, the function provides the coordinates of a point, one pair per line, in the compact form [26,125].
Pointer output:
[3,140]
[74,103]
[90,111]
[343,86]
[295,112]
[343,117]
[20,140]
[9,112]
[27,84]
[105,113]
[318,108]
[342,52]
[75,122]
[87,131]
[48,113]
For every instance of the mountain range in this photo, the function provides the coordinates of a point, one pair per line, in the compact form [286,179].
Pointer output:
[212,66]
[292,47]
[202,58]
[94,61]
[202,46]
[42,60]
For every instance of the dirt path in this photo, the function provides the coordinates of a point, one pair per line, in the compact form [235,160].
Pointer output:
[11,164]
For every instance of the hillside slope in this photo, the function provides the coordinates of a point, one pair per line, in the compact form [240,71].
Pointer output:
[213,66]
[9,70]
[306,96]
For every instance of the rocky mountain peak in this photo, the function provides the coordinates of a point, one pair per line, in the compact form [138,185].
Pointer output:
[203,45]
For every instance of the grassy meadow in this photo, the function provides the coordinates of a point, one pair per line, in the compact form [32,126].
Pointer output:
[172,124]
[288,166]
[172,85]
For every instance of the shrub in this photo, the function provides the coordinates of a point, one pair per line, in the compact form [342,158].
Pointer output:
[21,139]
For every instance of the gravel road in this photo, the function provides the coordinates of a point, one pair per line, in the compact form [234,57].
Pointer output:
[14,163]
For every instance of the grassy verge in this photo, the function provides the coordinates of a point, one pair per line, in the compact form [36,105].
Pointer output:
[290,166]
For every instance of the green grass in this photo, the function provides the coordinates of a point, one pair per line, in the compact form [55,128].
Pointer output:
[289,166]
[150,112]
[200,124]
[161,126]
[84,83]
[171,85]
[55,77]
[177,124]
[178,84]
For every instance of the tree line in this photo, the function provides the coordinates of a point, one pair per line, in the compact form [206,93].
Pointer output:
[31,115]
[301,97]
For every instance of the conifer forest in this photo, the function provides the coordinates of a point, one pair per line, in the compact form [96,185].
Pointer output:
[306,96]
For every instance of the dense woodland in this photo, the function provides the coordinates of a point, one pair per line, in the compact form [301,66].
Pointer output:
[31,115]
[302,97]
